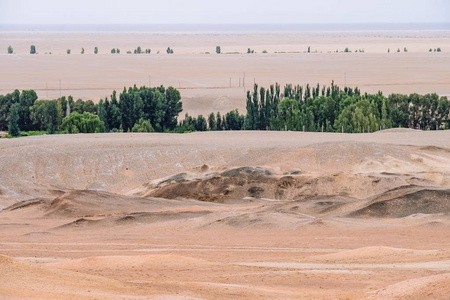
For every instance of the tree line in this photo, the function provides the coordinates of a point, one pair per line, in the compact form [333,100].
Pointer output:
[136,109]
[293,107]
[332,109]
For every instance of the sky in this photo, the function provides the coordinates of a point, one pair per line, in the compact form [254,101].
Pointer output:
[223,11]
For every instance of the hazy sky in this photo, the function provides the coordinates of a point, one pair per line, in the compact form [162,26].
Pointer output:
[222,11]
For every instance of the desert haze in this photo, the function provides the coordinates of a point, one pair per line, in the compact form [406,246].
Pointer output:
[225,214]
[205,79]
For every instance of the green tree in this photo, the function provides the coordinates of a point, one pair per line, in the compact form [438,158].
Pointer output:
[82,50]
[26,100]
[173,106]
[33,49]
[89,106]
[251,112]
[82,123]
[289,115]
[95,50]
[68,51]
[212,125]
[51,117]
[219,124]
[218,49]
[234,121]
[200,124]
[113,51]
[13,118]
[10,50]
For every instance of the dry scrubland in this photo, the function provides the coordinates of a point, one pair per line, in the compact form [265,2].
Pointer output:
[204,79]
[222,215]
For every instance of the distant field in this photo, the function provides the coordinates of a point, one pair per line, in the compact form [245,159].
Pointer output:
[211,82]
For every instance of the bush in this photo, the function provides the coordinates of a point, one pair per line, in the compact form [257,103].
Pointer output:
[82,123]
[143,126]
[10,49]
[68,51]
[33,49]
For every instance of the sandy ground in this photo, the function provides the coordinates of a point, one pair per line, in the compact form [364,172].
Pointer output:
[211,82]
[223,215]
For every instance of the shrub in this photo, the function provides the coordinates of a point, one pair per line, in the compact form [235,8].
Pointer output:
[82,123]
[143,126]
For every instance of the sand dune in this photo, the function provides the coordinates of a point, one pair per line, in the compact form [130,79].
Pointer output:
[431,287]
[225,214]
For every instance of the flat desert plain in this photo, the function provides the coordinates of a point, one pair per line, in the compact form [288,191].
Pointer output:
[226,215]
[212,82]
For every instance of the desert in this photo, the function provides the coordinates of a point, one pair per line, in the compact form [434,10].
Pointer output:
[220,215]
[227,214]
[213,82]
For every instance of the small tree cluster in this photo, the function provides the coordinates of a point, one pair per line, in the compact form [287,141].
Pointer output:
[169,50]
[82,123]
[158,105]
